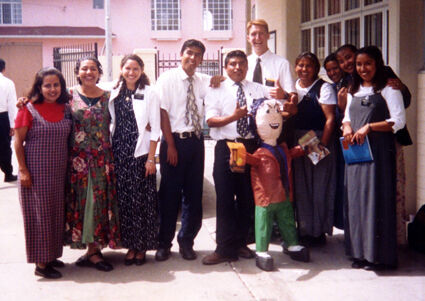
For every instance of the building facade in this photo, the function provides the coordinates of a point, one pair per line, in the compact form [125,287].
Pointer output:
[37,27]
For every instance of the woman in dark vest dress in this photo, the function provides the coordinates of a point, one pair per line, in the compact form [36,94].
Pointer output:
[376,110]
[41,145]
[314,185]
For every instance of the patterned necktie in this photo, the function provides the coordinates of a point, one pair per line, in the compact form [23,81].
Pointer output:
[258,75]
[192,109]
[242,123]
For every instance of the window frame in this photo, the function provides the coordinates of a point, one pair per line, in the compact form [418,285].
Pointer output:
[155,22]
[15,7]
[361,12]
[229,15]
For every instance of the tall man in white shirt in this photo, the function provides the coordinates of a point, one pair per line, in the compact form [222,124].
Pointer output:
[181,93]
[7,121]
[226,114]
[264,66]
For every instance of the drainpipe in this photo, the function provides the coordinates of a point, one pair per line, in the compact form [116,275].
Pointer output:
[108,40]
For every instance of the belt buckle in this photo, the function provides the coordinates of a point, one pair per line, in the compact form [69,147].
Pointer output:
[185,135]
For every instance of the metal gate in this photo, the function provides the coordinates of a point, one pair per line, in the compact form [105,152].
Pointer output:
[211,65]
[65,58]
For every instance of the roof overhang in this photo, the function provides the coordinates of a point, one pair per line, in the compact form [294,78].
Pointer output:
[52,32]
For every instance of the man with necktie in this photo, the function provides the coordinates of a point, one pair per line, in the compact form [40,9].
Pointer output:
[181,93]
[226,115]
[267,68]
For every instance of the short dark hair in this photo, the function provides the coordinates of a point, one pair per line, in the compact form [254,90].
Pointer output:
[313,58]
[35,92]
[330,58]
[347,46]
[379,80]
[88,58]
[142,81]
[193,43]
[235,53]
[2,65]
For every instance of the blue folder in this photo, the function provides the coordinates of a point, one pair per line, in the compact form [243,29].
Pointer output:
[356,153]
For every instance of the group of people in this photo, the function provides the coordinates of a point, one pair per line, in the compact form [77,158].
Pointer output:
[87,173]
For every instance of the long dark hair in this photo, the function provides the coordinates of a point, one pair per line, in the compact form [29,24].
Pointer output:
[35,92]
[379,80]
[142,81]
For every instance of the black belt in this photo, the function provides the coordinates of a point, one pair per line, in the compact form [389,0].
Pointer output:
[243,140]
[184,135]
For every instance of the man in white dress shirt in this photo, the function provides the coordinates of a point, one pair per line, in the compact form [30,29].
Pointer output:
[181,94]
[7,121]
[226,113]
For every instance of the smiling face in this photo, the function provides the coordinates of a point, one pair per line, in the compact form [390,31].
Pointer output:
[88,73]
[333,71]
[366,68]
[346,60]
[236,68]
[191,58]
[131,72]
[269,121]
[306,72]
[258,37]
[51,88]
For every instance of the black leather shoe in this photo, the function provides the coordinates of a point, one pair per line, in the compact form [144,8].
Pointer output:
[187,253]
[10,178]
[48,272]
[215,258]
[245,252]
[129,261]
[358,264]
[84,261]
[56,263]
[301,255]
[140,261]
[162,254]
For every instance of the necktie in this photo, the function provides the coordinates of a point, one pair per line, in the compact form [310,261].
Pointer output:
[242,123]
[258,75]
[192,109]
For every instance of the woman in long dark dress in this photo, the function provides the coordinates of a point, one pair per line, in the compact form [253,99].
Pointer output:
[314,185]
[375,110]
[135,130]
[41,144]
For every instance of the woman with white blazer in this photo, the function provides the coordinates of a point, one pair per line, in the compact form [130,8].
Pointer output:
[135,130]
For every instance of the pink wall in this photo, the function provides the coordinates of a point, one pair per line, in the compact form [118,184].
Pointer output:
[131,24]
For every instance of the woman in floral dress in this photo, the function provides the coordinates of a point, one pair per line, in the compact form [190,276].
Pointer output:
[91,209]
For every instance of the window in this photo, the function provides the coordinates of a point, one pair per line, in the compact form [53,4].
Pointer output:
[305,40]
[305,10]
[319,9]
[333,7]
[328,24]
[334,36]
[319,42]
[352,32]
[10,11]
[217,15]
[99,4]
[373,30]
[165,14]
[351,4]
[368,2]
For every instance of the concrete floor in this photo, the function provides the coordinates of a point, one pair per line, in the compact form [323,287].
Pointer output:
[328,276]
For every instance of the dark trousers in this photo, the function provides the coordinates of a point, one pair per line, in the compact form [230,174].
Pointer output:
[235,203]
[5,150]
[181,185]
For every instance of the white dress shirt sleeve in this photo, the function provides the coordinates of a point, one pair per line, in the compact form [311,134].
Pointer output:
[327,95]
[285,77]
[154,117]
[347,109]
[395,105]
[11,103]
